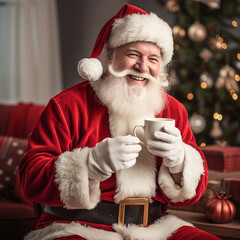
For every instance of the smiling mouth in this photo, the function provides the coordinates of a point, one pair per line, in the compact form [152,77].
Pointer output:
[137,78]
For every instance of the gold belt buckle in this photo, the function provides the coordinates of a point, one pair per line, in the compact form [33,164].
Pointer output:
[133,201]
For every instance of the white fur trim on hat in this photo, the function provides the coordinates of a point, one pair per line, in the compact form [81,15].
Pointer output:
[143,27]
[90,69]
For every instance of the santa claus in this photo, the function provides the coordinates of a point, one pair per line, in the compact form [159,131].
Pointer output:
[95,179]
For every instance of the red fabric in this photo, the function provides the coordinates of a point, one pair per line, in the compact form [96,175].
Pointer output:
[74,119]
[18,192]
[104,33]
[224,159]
[192,233]
[23,119]
[12,210]
[5,113]
[16,228]
[17,215]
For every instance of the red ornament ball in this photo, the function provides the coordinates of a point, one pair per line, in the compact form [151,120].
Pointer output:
[220,209]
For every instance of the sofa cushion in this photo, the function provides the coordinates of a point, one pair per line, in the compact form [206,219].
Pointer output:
[11,152]
[5,113]
[23,119]
[13,210]
[16,220]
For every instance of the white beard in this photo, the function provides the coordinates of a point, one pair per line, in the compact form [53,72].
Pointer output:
[129,105]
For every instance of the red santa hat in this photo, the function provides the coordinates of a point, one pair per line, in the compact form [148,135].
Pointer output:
[130,24]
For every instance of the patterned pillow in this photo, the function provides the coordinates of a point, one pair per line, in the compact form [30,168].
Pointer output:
[11,152]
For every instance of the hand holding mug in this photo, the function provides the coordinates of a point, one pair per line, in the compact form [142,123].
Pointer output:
[112,155]
[163,139]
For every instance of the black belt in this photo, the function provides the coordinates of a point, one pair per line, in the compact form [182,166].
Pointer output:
[107,213]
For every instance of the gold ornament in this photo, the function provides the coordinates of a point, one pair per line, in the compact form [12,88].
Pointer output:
[216,131]
[206,77]
[206,55]
[172,5]
[197,32]
[227,78]
[211,3]
[197,122]
[215,45]
[178,33]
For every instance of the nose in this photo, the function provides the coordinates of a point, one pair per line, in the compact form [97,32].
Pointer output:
[141,65]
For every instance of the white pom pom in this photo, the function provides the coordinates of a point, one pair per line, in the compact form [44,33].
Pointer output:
[90,69]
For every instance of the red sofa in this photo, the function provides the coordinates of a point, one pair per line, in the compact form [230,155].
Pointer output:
[18,216]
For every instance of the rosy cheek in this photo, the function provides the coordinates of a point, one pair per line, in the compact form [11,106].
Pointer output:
[156,71]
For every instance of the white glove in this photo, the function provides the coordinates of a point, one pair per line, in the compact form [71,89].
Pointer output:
[169,146]
[112,155]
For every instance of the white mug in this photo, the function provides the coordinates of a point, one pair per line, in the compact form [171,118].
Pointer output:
[152,125]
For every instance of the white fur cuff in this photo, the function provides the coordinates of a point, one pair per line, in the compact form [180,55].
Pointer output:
[192,171]
[71,176]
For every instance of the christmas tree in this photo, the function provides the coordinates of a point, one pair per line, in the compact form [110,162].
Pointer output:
[205,70]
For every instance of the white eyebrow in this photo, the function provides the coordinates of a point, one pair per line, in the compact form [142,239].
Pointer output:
[135,50]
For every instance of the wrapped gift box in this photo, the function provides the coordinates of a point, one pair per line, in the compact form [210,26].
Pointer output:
[225,159]
[231,185]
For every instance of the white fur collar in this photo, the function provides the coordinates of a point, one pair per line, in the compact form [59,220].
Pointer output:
[139,180]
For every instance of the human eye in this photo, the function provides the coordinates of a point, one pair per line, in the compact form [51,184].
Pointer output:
[154,59]
[133,54]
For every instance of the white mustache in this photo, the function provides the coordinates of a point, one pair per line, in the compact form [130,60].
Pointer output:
[126,72]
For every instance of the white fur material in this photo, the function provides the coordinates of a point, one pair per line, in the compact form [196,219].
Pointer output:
[139,180]
[143,27]
[193,169]
[162,229]
[71,176]
[90,69]
[57,230]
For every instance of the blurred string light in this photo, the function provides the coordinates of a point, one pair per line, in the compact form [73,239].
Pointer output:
[234,95]
[203,144]
[190,96]
[224,45]
[203,85]
[234,23]
[237,77]
[221,40]
[176,47]
[217,116]
[238,56]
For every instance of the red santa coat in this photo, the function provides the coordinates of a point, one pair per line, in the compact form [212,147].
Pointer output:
[54,170]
